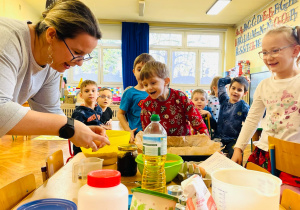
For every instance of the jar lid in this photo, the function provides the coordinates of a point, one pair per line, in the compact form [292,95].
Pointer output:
[104,178]
[127,147]
[175,190]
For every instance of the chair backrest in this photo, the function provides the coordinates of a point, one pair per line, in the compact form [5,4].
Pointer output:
[71,152]
[254,167]
[207,122]
[286,157]
[290,199]
[13,193]
[54,162]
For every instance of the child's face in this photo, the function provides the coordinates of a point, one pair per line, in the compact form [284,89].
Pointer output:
[283,60]
[199,100]
[89,93]
[156,87]
[105,98]
[137,70]
[236,92]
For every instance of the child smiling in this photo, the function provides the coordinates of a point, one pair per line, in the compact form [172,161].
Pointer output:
[173,106]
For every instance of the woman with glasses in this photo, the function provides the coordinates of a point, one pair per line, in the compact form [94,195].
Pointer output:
[31,59]
[279,96]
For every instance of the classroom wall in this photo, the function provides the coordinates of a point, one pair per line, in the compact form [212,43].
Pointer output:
[18,9]
[249,33]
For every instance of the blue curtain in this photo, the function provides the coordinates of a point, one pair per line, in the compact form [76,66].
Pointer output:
[135,41]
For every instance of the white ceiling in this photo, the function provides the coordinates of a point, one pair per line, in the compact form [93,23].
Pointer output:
[169,11]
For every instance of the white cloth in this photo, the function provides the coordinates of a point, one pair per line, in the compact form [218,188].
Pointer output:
[21,78]
[281,99]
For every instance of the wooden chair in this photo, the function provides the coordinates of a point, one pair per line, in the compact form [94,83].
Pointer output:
[13,193]
[54,162]
[207,122]
[254,167]
[290,200]
[284,156]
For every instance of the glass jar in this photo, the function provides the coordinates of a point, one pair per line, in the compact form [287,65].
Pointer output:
[126,159]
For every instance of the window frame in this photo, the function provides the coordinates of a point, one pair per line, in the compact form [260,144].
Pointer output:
[197,49]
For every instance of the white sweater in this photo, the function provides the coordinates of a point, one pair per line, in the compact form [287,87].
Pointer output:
[281,99]
[21,78]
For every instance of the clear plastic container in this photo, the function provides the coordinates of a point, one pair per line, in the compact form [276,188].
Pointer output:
[103,191]
[154,156]
[245,189]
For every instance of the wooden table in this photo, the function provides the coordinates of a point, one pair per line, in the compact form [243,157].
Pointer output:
[60,185]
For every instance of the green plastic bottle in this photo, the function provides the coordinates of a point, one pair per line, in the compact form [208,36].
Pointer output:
[154,156]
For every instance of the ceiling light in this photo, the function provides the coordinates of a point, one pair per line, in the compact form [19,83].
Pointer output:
[217,7]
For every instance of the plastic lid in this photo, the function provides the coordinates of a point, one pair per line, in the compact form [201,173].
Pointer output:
[155,117]
[150,192]
[104,178]
[127,147]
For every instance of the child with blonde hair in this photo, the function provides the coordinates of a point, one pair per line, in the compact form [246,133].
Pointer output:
[279,95]
[173,106]
[200,99]
[213,101]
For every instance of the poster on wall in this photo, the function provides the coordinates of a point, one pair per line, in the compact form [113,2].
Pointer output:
[248,35]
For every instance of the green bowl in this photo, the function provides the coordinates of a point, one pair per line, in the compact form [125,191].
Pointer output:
[171,168]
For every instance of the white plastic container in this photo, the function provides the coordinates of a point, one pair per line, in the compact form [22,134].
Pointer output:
[235,189]
[103,191]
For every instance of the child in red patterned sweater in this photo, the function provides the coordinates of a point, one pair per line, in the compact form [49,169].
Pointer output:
[173,106]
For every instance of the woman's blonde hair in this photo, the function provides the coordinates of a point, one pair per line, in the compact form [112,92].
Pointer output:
[154,68]
[214,83]
[69,18]
[292,34]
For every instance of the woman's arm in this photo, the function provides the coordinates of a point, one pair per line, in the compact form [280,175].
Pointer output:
[38,123]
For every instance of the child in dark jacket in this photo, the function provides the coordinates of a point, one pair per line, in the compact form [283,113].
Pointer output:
[89,113]
[233,111]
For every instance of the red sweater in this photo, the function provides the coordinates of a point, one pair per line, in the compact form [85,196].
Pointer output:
[174,114]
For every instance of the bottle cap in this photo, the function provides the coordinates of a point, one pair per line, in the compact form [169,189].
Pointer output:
[104,178]
[155,117]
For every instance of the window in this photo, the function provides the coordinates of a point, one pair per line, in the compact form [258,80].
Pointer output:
[89,69]
[194,58]
[106,66]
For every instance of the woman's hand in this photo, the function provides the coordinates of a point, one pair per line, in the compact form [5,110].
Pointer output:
[237,156]
[89,136]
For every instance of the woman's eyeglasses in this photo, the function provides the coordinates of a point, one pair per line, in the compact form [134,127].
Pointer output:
[103,96]
[80,57]
[273,53]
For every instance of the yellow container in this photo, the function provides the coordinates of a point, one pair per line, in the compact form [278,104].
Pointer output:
[109,152]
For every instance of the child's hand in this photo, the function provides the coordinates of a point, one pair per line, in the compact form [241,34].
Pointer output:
[204,112]
[108,122]
[132,135]
[237,156]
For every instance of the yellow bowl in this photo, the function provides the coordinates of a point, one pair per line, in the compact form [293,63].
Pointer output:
[109,152]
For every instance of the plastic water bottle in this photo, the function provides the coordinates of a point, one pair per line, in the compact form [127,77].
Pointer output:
[154,156]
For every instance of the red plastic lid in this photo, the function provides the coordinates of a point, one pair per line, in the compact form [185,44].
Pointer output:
[104,178]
